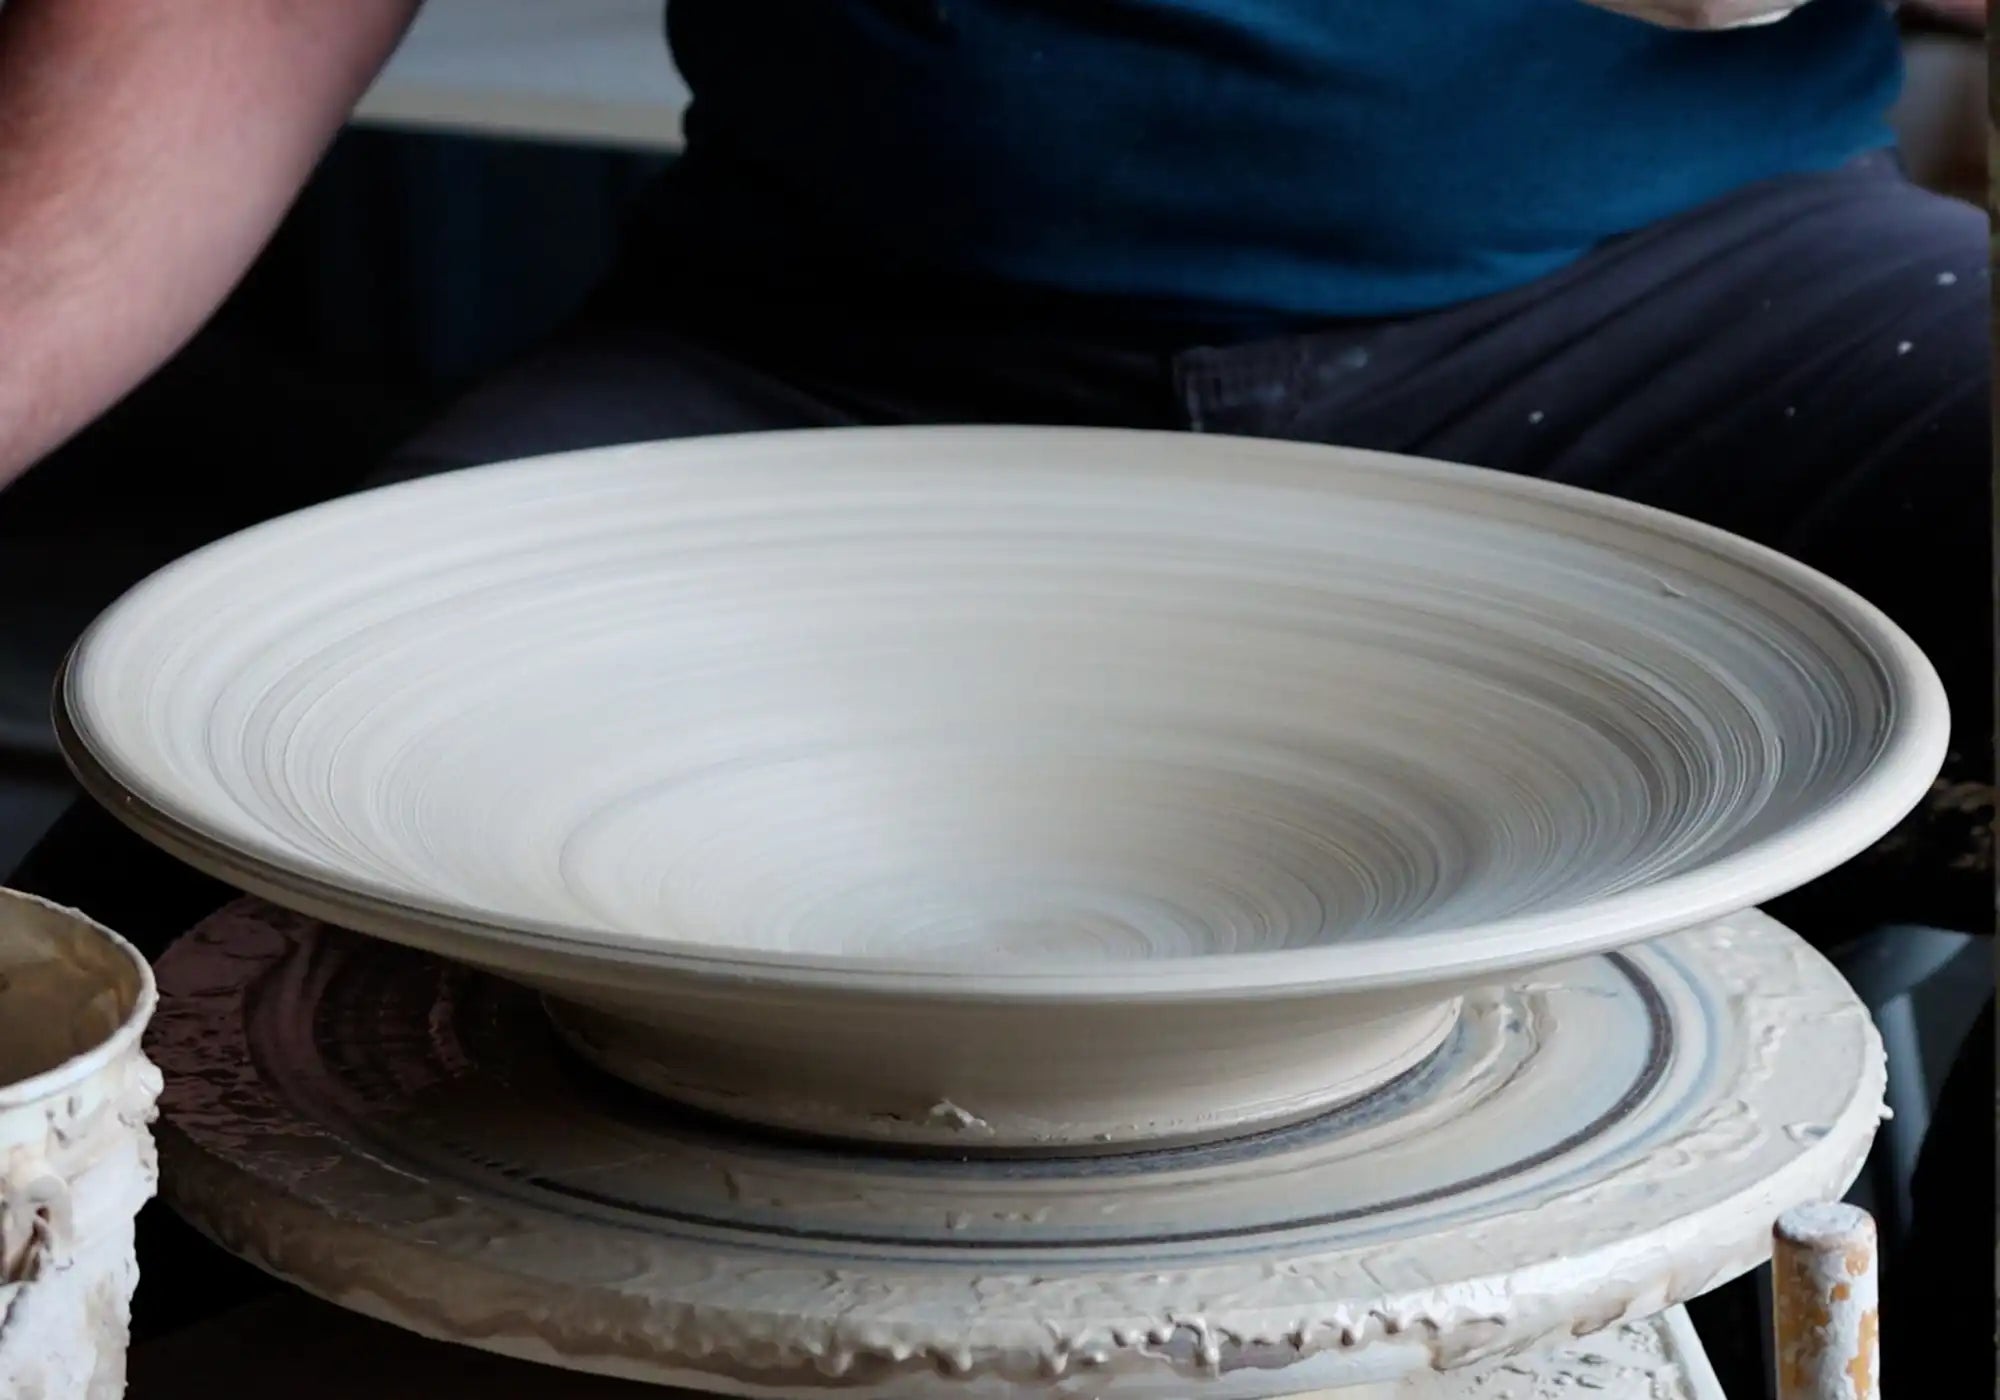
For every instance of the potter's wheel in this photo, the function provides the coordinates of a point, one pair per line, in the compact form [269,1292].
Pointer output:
[1589,1143]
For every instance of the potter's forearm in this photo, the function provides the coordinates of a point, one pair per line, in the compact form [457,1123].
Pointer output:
[147,151]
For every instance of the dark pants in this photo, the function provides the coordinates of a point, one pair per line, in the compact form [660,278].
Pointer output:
[1805,364]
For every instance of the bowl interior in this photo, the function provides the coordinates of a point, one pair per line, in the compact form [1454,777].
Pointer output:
[986,697]
[66,989]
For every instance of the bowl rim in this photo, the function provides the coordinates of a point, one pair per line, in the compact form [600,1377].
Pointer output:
[117,1043]
[1906,762]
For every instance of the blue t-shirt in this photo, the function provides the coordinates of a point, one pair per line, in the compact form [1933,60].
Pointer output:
[1226,159]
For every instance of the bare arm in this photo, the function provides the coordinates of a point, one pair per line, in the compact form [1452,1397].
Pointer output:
[147,151]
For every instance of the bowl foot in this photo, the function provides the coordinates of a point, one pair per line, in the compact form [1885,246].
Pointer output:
[1038,1097]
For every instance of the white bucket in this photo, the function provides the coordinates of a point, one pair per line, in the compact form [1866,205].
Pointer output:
[77,1097]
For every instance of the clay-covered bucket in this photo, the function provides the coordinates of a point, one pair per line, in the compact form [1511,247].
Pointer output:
[77,1100]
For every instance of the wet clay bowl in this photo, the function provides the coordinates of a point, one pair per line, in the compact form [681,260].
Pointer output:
[1004,789]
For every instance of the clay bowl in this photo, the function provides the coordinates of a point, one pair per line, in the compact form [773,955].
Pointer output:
[1004,789]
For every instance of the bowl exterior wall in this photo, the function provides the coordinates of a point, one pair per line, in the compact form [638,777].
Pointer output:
[1006,1077]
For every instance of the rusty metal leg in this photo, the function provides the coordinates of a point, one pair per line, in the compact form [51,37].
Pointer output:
[1826,1312]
